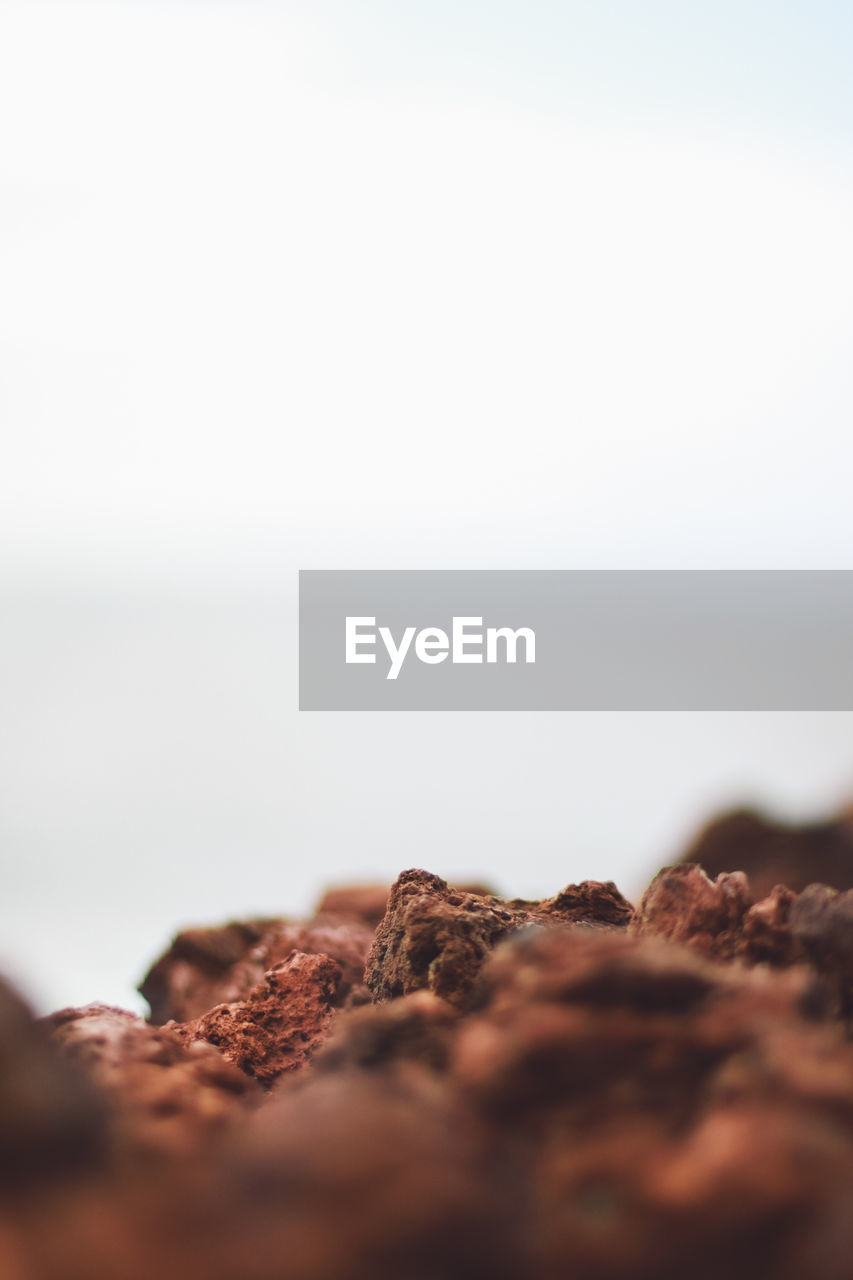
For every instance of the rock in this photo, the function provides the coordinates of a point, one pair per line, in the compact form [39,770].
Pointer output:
[601,1023]
[590,902]
[771,852]
[282,1021]
[207,967]
[52,1121]
[436,938]
[672,1115]
[538,1091]
[415,1028]
[766,933]
[353,1176]
[683,905]
[719,919]
[821,921]
[197,969]
[369,902]
[163,1096]
[364,902]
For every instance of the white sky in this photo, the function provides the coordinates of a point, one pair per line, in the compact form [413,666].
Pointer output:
[257,299]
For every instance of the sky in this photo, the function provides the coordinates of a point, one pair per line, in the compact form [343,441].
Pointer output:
[573,277]
[390,285]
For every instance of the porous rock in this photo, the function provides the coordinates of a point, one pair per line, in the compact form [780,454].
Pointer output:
[649,1104]
[720,919]
[163,1096]
[282,1021]
[435,937]
[207,967]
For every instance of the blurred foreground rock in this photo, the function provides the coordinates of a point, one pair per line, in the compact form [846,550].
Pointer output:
[519,1090]
[771,852]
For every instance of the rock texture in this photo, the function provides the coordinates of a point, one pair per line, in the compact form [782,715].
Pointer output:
[280,1024]
[523,1091]
[721,919]
[684,905]
[436,938]
[162,1096]
[204,967]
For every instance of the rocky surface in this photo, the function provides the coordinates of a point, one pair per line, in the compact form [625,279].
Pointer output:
[279,1025]
[684,905]
[436,938]
[205,967]
[721,919]
[771,852]
[677,1116]
[521,1090]
[52,1119]
[162,1096]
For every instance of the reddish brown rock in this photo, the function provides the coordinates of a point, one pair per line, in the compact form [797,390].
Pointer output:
[674,1116]
[821,921]
[683,905]
[436,938]
[206,967]
[591,902]
[364,902]
[766,933]
[593,1101]
[369,902]
[196,971]
[603,1022]
[771,852]
[719,919]
[163,1096]
[354,1176]
[282,1021]
[415,1028]
[52,1120]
